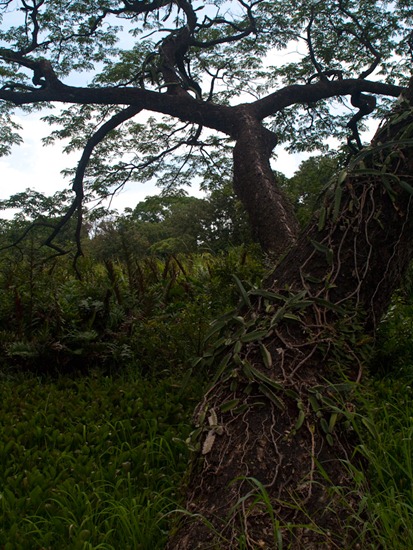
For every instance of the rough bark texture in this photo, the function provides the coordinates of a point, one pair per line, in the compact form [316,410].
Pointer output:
[272,217]
[272,429]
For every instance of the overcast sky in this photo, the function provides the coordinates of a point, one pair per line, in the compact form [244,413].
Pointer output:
[32,165]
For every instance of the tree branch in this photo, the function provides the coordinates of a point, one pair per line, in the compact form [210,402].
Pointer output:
[43,72]
[364,39]
[218,117]
[366,105]
[311,93]
[309,41]
[76,205]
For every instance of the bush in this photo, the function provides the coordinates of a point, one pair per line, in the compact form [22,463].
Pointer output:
[150,314]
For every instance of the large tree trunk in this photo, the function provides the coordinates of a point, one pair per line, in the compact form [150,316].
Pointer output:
[271,436]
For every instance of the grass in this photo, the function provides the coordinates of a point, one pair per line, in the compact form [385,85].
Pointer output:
[92,462]
[387,443]
[98,461]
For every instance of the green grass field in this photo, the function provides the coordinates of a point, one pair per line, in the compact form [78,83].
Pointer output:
[94,462]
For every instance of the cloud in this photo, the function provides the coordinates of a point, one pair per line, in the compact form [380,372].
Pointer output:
[33,165]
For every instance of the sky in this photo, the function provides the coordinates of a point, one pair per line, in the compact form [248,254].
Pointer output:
[35,166]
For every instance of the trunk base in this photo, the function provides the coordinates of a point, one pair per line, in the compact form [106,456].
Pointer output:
[267,485]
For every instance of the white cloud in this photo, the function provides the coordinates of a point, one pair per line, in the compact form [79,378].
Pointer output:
[31,164]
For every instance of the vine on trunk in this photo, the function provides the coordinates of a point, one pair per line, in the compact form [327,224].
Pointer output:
[276,420]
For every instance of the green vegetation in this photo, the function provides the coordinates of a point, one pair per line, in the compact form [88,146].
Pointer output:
[97,389]
[96,383]
[97,461]
[124,305]
[385,428]
[97,369]
[385,519]
[93,445]
[91,462]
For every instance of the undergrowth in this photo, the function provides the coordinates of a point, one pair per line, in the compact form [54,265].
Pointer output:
[384,425]
[97,393]
[91,462]
[150,314]
[385,429]
[95,457]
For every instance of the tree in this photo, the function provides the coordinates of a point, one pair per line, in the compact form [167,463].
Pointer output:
[269,422]
[305,187]
[171,224]
[176,222]
[184,47]
[37,214]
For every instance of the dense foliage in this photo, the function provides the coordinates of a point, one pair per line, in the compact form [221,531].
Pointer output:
[95,373]
[93,457]
[96,460]
[91,462]
[134,298]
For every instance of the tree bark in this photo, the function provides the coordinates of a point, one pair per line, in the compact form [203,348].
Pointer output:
[272,429]
[271,215]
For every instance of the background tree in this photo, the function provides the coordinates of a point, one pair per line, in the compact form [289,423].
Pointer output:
[305,188]
[270,413]
[172,224]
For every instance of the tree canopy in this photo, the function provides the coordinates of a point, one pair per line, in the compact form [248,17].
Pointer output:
[254,72]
